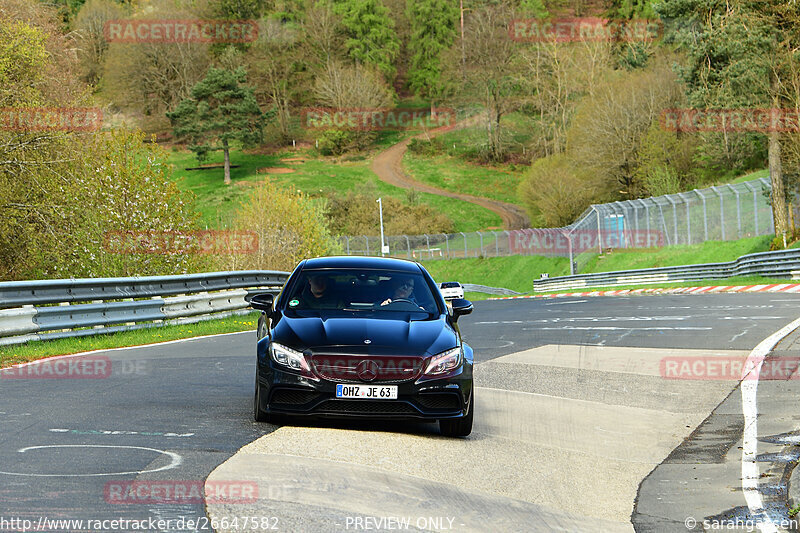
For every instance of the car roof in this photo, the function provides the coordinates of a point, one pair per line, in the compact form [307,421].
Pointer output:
[357,262]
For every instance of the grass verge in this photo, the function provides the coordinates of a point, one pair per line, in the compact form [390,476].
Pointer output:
[31,351]
[303,170]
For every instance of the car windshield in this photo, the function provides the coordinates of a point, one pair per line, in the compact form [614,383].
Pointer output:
[362,290]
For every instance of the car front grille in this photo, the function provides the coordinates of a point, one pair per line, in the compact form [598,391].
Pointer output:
[367,369]
[367,407]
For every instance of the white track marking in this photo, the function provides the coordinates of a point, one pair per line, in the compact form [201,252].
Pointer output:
[81,354]
[749,385]
[175,460]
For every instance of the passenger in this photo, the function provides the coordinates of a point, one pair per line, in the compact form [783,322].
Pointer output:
[319,294]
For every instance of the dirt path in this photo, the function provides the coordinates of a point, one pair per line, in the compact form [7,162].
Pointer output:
[388,165]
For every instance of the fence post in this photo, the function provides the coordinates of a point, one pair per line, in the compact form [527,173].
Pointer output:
[721,211]
[496,245]
[465,243]
[688,220]
[674,216]
[599,235]
[347,243]
[447,243]
[755,205]
[408,245]
[366,239]
[705,213]
[481,237]
[569,245]
[428,240]
[738,210]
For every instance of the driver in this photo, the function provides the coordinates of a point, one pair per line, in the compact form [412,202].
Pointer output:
[402,289]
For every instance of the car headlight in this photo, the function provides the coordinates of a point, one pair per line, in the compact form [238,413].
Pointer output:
[445,362]
[289,358]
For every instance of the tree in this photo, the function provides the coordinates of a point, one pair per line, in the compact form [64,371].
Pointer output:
[741,55]
[151,78]
[606,132]
[433,29]
[491,63]
[277,70]
[90,38]
[371,38]
[220,110]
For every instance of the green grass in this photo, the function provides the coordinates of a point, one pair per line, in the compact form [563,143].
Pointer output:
[515,272]
[764,173]
[31,351]
[708,252]
[453,174]
[217,203]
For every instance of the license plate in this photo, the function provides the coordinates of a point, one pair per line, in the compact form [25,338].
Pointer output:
[367,392]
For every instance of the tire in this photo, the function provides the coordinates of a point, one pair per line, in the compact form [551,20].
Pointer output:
[259,415]
[261,329]
[459,427]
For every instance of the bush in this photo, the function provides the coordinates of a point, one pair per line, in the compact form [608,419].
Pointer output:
[555,192]
[357,214]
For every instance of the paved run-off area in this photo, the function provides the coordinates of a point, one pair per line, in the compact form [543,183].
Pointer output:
[563,437]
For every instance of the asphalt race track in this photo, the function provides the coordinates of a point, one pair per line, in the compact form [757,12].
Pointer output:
[579,427]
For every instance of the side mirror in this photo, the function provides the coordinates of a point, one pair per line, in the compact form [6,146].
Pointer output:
[261,301]
[461,307]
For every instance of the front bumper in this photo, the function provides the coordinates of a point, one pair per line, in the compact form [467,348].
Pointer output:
[287,393]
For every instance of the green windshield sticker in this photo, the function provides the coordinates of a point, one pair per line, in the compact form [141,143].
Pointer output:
[293,303]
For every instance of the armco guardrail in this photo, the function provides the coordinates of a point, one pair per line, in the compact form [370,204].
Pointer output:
[107,305]
[780,264]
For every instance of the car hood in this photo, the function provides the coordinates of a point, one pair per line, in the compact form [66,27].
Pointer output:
[385,335]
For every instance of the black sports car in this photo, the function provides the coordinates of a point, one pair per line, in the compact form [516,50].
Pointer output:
[363,337]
